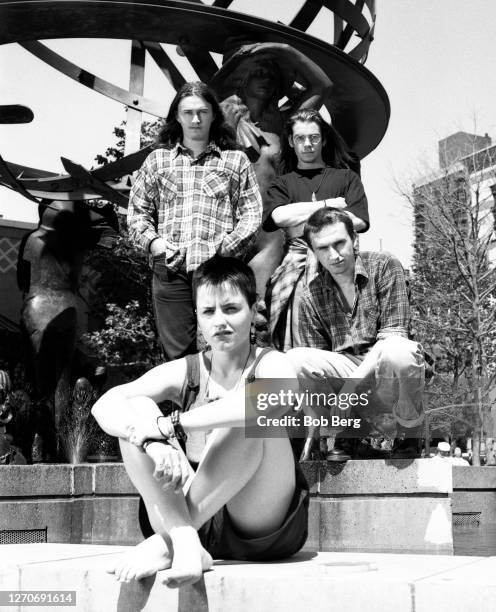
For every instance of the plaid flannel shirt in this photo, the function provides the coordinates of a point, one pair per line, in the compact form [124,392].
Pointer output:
[201,206]
[381,307]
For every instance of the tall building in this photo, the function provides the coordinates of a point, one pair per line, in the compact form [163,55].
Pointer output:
[466,175]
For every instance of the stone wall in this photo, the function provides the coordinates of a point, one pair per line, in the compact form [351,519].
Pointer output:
[360,505]
[475,492]
[380,506]
[88,504]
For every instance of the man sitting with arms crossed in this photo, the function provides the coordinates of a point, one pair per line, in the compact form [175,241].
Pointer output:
[354,318]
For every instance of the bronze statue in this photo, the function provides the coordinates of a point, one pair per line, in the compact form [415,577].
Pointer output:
[9,453]
[49,267]
[253,80]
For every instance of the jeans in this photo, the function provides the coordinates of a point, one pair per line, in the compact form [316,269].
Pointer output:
[398,377]
[173,309]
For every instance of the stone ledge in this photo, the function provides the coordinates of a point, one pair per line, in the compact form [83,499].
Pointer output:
[63,480]
[344,581]
[360,505]
[465,477]
[352,478]
[379,477]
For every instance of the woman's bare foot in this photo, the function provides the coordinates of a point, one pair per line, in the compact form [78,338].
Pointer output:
[190,559]
[145,559]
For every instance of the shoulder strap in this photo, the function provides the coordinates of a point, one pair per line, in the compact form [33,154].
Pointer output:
[192,383]
[251,374]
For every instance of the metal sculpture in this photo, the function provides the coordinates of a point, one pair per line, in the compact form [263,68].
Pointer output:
[358,105]
[15,113]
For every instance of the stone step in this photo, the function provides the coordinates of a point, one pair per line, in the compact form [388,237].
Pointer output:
[347,582]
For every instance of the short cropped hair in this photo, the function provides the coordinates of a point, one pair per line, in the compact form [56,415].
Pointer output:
[219,270]
[327,216]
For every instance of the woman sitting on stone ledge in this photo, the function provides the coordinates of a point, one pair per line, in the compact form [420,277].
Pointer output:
[247,499]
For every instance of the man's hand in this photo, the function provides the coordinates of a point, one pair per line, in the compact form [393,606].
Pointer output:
[339,203]
[311,363]
[158,246]
[172,468]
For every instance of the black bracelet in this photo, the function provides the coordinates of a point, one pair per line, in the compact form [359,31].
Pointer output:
[148,441]
[178,428]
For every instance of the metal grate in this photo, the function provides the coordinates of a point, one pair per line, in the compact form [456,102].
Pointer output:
[466,519]
[23,536]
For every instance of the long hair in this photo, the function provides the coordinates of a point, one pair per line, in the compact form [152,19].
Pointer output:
[221,133]
[334,150]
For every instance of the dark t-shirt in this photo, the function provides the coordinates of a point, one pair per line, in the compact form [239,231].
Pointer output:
[298,186]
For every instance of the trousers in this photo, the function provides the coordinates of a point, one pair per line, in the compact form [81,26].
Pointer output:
[397,377]
[173,310]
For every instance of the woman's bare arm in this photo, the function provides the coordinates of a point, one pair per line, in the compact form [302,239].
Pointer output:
[114,412]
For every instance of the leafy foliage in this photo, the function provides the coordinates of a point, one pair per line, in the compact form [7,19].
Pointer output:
[453,288]
[128,337]
[118,282]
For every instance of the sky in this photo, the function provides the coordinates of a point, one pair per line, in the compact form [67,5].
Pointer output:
[434,58]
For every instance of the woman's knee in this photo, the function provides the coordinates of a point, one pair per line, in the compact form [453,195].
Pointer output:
[227,438]
[143,406]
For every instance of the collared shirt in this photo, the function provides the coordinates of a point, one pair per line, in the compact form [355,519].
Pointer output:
[200,206]
[381,306]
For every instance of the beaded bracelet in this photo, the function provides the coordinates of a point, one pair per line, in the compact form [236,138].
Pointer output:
[178,428]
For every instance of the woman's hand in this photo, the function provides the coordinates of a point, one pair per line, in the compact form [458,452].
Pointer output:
[171,466]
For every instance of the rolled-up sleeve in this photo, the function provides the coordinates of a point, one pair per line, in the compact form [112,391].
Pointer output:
[247,211]
[143,207]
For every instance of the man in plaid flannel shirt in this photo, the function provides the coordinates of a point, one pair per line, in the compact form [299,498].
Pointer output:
[354,318]
[317,174]
[194,197]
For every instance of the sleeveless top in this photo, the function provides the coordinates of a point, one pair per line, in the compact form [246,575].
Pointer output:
[193,395]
